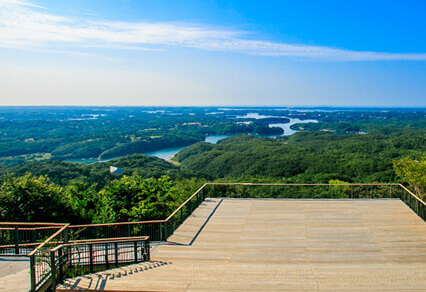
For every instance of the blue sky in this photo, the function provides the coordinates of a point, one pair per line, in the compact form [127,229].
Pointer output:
[296,53]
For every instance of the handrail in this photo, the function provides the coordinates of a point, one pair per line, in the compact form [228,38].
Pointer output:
[184,203]
[284,184]
[119,223]
[166,222]
[102,240]
[49,239]
[33,223]
[411,193]
[41,271]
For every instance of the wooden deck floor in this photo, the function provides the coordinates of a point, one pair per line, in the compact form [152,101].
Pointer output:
[282,245]
[14,274]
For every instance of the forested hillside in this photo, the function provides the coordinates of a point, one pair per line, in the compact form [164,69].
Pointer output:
[344,146]
[305,157]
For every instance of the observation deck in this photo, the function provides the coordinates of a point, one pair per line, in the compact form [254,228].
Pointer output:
[281,245]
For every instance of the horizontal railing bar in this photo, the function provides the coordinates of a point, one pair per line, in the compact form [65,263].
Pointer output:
[279,184]
[29,229]
[106,240]
[103,241]
[33,223]
[20,245]
[115,224]
[110,240]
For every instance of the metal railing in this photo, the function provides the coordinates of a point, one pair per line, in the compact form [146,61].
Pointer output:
[40,267]
[414,202]
[317,191]
[41,260]
[160,230]
[89,256]
[22,238]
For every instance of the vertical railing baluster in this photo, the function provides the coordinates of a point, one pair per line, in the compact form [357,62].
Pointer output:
[91,257]
[53,270]
[33,273]
[60,262]
[116,254]
[16,240]
[135,250]
[106,256]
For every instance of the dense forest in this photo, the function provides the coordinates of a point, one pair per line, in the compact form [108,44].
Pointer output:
[305,157]
[343,146]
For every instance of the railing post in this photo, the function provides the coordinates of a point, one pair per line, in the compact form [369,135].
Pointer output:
[116,254]
[203,193]
[34,235]
[53,270]
[390,192]
[60,262]
[409,200]
[352,192]
[128,230]
[91,257]
[148,252]
[135,250]
[166,230]
[106,256]
[66,235]
[16,240]
[417,206]
[33,273]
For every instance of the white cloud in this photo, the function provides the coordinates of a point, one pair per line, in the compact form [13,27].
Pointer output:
[23,25]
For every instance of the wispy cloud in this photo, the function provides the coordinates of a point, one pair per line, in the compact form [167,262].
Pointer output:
[26,25]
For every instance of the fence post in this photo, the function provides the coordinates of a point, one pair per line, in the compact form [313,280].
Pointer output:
[66,235]
[91,257]
[16,240]
[390,192]
[61,266]
[32,273]
[135,250]
[166,231]
[116,254]
[409,200]
[106,256]
[147,246]
[53,270]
